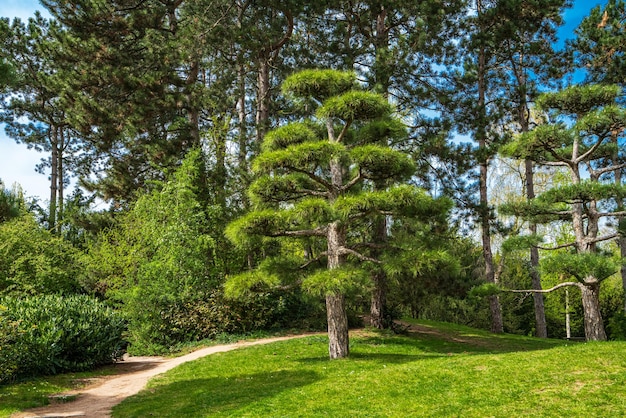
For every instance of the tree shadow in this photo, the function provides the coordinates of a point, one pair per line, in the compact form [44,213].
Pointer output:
[218,395]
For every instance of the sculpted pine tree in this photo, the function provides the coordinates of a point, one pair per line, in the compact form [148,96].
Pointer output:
[600,49]
[579,138]
[315,183]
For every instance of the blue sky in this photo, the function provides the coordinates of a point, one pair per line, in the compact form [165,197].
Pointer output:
[17,162]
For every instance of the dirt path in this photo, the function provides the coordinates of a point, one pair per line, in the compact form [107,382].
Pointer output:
[97,400]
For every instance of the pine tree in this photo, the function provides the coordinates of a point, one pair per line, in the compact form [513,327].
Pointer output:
[315,183]
[600,50]
[578,137]
[523,33]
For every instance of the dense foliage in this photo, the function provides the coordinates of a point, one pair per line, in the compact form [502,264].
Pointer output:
[49,334]
[380,137]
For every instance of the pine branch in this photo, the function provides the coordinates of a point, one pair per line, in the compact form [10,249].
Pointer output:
[313,177]
[348,251]
[569,244]
[352,182]
[558,286]
[317,232]
[608,169]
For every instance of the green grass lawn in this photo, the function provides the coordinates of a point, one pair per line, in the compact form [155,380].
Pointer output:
[445,370]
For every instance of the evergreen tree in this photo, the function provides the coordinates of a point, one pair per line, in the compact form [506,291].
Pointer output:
[523,33]
[315,182]
[34,114]
[600,50]
[578,138]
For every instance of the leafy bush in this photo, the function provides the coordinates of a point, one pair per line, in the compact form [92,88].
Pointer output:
[50,334]
[34,261]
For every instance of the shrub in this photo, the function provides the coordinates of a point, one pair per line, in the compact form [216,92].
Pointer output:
[34,261]
[51,334]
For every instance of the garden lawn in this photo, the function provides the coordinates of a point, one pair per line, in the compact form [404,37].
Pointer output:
[441,370]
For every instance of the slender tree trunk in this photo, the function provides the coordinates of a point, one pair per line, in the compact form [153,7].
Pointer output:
[61,180]
[263,96]
[54,178]
[594,326]
[379,278]
[242,140]
[541,329]
[481,136]
[379,300]
[193,115]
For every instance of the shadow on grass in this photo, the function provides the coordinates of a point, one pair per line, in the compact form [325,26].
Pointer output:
[219,395]
[386,358]
[445,343]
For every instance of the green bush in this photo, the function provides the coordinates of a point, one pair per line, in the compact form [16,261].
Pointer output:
[51,334]
[34,261]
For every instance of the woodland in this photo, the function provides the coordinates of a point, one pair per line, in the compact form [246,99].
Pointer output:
[246,165]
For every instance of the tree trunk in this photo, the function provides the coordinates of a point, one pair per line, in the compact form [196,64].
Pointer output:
[594,326]
[338,343]
[60,179]
[381,69]
[541,329]
[379,300]
[54,180]
[263,96]
[481,137]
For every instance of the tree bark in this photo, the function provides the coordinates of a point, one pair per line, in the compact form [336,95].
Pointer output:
[338,343]
[382,81]
[481,137]
[541,329]
[54,178]
[60,179]
[594,326]
[379,300]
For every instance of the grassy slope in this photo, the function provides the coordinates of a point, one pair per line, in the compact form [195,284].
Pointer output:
[444,370]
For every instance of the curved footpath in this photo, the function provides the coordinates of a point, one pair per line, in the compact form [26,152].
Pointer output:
[97,400]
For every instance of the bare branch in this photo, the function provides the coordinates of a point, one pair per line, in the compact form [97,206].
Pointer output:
[313,177]
[616,214]
[570,244]
[318,258]
[609,169]
[348,251]
[558,286]
[317,232]
[590,150]
[344,130]
[352,182]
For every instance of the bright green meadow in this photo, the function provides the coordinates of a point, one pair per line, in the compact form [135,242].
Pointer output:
[441,370]
[444,370]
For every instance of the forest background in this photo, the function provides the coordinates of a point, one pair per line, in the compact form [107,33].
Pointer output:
[454,163]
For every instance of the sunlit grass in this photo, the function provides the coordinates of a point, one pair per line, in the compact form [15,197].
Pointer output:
[32,393]
[444,370]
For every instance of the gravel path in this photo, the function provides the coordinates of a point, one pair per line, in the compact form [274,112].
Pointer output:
[97,400]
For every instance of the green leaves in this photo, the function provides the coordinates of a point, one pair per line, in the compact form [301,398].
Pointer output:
[307,157]
[343,280]
[582,266]
[291,134]
[579,99]
[318,84]
[355,105]
[381,163]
